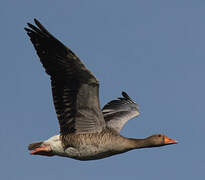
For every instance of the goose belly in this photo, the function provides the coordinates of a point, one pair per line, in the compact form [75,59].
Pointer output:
[89,152]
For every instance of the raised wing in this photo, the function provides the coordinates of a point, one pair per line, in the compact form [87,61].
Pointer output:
[118,112]
[75,89]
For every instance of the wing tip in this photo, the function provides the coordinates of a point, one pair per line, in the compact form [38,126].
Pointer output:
[37,22]
[38,27]
[125,95]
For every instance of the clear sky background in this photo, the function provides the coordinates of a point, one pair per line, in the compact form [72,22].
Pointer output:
[153,50]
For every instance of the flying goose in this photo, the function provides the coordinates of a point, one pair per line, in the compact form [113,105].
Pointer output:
[86,131]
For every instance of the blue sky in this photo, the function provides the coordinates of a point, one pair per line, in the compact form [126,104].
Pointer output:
[153,50]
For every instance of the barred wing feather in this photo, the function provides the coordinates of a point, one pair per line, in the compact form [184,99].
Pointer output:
[118,112]
[74,87]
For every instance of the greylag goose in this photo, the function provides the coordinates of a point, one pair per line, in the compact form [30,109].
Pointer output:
[86,131]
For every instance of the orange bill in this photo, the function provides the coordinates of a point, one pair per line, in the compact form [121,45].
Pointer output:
[169,140]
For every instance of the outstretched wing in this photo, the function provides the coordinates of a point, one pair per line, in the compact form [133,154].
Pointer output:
[75,89]
[118,112]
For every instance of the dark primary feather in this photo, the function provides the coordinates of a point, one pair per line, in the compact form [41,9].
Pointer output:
[118,112]
[74,87]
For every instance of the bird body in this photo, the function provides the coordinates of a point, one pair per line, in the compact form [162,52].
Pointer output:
[89,146]
[86,131]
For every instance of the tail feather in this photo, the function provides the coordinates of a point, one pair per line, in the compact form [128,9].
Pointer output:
[34,145]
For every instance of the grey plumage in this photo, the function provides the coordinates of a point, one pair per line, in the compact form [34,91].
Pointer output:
[118,112]
[76,90]
[86,131]
[74,87]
